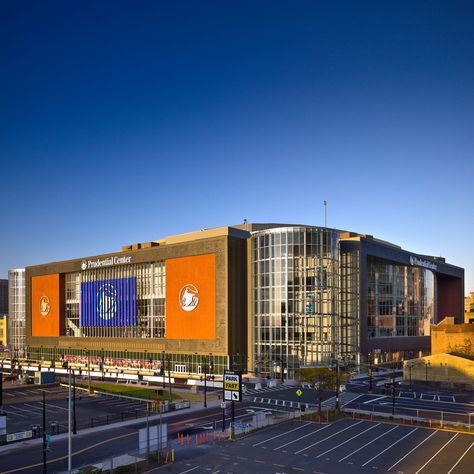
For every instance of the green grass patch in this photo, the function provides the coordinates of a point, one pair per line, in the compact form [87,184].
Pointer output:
[131,391]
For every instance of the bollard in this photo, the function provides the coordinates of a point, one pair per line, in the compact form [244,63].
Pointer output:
[172,455]
[403,420]
[224,435]
[214,435]
[179,438]
[188,439]
[197,442]
[430,422]
[220,435]
[166,459]
[200,438]
[411,420]
[207,437]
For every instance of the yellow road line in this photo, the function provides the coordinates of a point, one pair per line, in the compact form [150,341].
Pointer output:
[73,454]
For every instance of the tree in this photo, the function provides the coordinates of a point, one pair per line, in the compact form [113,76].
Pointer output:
[321,378]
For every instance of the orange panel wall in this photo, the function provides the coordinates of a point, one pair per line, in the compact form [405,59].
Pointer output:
[191,297]
[45,305]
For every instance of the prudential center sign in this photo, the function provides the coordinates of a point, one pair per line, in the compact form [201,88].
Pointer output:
[105,262]
[418,262]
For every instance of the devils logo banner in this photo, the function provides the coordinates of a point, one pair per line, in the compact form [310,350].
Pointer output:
[109,302]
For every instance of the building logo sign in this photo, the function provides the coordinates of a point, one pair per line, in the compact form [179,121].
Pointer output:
[188,297]
[45,306]
[107,301]
[418,262]
[105,262]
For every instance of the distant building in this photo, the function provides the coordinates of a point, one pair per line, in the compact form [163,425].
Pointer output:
[448,337]
[3,332]
[16,311]
[469,308]
[3,297]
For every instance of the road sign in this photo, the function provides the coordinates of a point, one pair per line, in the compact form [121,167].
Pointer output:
[299,392]
[233,385]
[19,435]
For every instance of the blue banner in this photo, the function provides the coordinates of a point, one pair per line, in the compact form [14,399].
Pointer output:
[109,302]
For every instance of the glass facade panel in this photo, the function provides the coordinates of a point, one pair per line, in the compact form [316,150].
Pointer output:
[400,299]
[16,312]
[295,298]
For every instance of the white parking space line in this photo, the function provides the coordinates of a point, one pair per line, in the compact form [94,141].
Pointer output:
[409,452]
[367,444]
[6,394]
[320,441]
[301,437]
[56,406]
[281,434]
[12,413]
[353,400]
[348,440]
[372,400]
[189,470]
[389,447]
[437,452]
[27,411]
[34,407]
[459,460]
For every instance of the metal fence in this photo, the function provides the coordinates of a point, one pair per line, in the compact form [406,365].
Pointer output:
[432,418]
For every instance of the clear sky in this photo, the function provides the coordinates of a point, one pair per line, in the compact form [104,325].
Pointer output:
[123,122]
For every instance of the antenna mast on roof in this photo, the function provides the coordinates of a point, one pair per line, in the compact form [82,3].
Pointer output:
[325,213]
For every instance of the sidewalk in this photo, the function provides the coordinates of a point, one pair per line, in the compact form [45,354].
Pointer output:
[32,442]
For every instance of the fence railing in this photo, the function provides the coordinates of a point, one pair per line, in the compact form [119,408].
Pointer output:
[433,418]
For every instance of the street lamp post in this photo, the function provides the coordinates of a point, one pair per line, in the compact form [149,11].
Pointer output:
[370,372]
[427,364]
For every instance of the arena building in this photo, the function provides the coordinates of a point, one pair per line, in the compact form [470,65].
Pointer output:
[264,298]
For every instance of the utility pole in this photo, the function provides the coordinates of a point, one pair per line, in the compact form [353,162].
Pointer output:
[337,384]
[205,386]
[370,372]
[44,433]
[69,438]
[74,430]
[393,391]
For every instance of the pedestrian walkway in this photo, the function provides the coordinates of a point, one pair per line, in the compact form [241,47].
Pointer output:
[256,391]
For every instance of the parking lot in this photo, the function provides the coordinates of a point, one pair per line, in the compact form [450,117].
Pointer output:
[344,446]
[24,408]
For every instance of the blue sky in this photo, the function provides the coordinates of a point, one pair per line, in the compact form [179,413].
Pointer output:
[123,122]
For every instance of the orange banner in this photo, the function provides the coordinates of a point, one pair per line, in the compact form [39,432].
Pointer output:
[45,305]
[191,297]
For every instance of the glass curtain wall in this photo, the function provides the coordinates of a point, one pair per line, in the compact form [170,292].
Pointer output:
[295,292]
[16,312]
[349,305]
[151,290]
[400,299]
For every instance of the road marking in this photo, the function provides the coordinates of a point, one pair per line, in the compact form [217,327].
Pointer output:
[301,437]
[189,470]
[56,406]
[353,400]
[61,458]
[372,400]
[9,413]
[347,441]
[365,445]
[215,472]
[40,407]
[281,434]
[391,446]
[320,441]
[258,460]
[437,452]
[407,454]
[459,460]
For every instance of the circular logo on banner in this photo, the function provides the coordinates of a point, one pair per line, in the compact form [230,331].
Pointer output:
[412,260]
[188,297]
[107,301]
[45,306]
[84,265]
